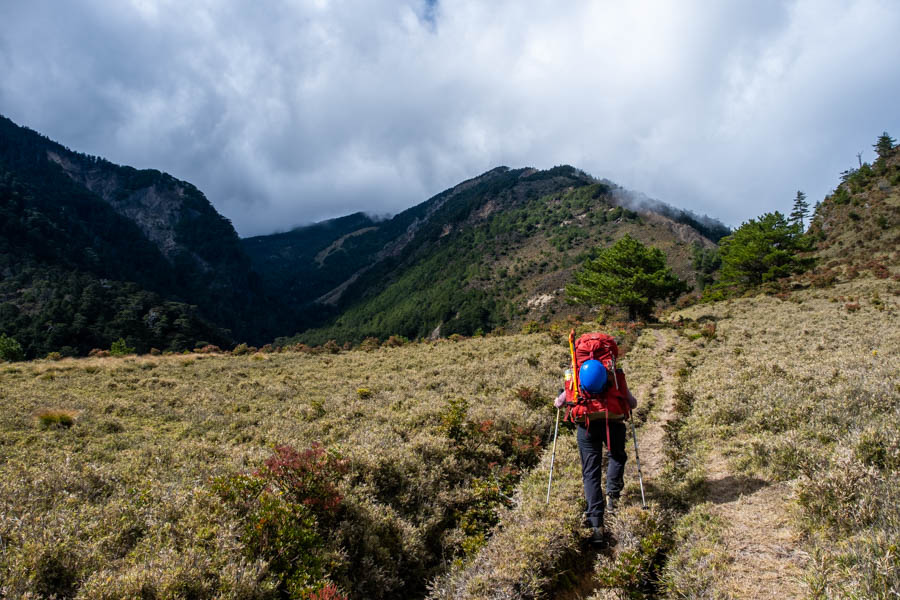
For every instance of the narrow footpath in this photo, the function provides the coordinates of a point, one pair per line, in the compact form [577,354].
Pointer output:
[659,395]
[763,550]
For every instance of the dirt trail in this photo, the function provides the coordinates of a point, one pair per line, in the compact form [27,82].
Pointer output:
[762,547]
[662,395]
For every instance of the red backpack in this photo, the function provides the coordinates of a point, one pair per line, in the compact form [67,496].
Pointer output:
[612,401]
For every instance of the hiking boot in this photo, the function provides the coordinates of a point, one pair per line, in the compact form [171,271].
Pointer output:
[612,502]
[598,537]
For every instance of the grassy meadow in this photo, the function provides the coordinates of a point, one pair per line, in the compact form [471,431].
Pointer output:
[804,392]
[199,476]
[768,432]
[776,473]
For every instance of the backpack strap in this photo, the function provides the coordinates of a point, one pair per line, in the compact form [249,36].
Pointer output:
[608,445]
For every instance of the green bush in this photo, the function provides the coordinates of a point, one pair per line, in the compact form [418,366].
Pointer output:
[276,529]
[764,250]
[531,327]
[286,508]
[120,348]
[241,349]
[453,418]
[10,349]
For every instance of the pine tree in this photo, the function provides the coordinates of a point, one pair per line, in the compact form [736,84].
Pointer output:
[884,145]
[801,210]
[764,250]
[627,274]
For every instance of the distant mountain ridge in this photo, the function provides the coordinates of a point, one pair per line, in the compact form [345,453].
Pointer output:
[93,251]
[438,268]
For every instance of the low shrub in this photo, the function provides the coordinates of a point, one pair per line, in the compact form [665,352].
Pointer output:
[286,508]
[10,349]
[120,348]
[369,344]
[327,592]
[56,418]
[488,496]
[531,327]
[531,397]
[395,341]
[453,419]
[242,349]
[208,349]
[823,279]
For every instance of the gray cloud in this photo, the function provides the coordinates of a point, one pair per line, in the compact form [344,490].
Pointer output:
[285,114]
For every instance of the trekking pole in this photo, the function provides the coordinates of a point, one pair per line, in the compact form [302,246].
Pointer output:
[553,456]
[637,459]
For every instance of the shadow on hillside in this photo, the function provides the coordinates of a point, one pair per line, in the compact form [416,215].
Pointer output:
[732,487]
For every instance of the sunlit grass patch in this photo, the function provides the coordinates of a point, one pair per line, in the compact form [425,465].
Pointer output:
[129,491]
[808,391]
[697,559]
[56,418]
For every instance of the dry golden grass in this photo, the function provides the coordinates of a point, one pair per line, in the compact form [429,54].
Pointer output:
[804,391]
[771,437]
[119,504]
[784,407]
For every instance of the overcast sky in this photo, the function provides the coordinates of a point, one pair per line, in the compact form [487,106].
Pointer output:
[285,113]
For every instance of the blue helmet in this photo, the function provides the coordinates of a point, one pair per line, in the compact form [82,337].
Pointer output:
[592,376]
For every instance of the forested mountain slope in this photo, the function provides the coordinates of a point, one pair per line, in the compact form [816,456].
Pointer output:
[494,251]
[94,251]
[857,227]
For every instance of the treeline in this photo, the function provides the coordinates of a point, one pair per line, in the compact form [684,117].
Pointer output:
[776,245]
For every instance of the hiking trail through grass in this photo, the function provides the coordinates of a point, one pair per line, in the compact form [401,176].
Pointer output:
[762,548]
[759,547]
[655,394]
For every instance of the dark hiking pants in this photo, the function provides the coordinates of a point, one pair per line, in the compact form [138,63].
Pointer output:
[591,441]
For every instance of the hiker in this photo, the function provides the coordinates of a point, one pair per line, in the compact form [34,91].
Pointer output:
[598,411]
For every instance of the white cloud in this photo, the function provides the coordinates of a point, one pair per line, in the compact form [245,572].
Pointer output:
[286,113]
